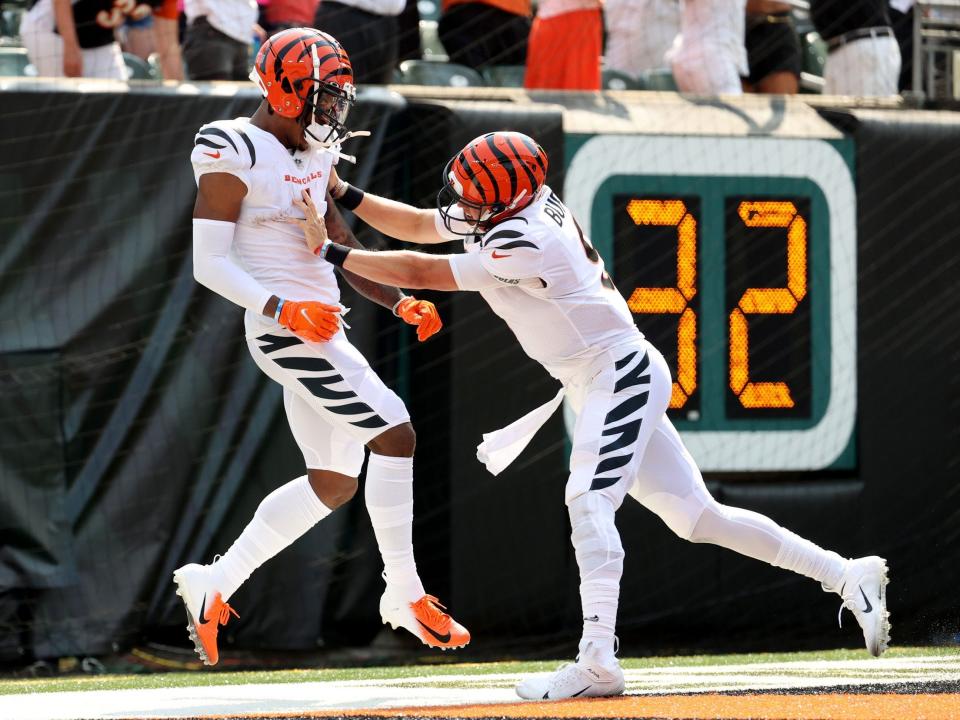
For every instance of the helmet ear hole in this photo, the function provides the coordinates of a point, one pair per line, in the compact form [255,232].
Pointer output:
[285,85]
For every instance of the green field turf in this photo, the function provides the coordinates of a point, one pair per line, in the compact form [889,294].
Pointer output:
[192,679]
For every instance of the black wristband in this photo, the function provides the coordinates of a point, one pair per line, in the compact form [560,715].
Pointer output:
[336,254]
[351,197]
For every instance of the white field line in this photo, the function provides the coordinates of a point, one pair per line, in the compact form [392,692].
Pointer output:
[239,700]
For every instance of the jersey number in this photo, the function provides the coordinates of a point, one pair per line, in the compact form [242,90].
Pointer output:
[594,257]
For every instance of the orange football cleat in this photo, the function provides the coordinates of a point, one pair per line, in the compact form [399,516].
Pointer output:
[206,611]
[426,619]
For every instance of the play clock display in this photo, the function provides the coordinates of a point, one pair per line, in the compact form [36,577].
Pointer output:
[737,259]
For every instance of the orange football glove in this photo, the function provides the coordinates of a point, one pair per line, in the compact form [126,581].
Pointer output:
[421,313]
[313,321]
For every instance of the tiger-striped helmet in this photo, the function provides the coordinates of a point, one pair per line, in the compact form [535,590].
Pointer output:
[495,176]
[302,69]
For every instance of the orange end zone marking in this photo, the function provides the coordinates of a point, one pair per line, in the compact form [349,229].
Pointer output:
[691,707]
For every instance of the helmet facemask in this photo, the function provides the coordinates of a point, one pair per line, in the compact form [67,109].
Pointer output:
[451,195]
[326,106]
[325,113]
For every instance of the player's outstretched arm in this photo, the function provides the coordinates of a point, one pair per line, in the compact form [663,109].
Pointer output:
[421,313]
[339,232]
[396,219]
[395,268]
[406,268]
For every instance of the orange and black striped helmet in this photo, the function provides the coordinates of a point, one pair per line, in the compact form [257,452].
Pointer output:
[304,69]
[495,176]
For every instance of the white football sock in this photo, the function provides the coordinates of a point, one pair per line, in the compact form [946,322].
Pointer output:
[599,553]
[804,557]
[282,517]
[757,536]
[389,498]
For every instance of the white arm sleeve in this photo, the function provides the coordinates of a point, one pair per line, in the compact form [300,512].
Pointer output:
[213,268]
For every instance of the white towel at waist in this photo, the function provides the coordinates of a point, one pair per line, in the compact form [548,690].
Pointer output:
[501,447]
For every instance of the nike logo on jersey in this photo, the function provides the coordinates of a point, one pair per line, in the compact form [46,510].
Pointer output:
[441,638]
[498,257]
[202,620]
[869,606]
[215,156]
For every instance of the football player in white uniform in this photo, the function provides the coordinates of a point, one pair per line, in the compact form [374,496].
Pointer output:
[249,172]
[526,255]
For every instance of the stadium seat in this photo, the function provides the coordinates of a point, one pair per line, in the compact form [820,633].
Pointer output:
[11,11]
[426,72]
[660,79]
[137,68]
[813,60]
[504,75]
[153,60]
[430,42]
[13,61]
[616,80]
[814,53]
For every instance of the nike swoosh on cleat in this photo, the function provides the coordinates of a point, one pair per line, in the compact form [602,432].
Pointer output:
[202,620]
[438,636]
[869,606]
[581,692]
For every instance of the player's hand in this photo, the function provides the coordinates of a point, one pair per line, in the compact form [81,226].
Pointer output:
[313,226]
[313,321]
[421,313]
[72,60]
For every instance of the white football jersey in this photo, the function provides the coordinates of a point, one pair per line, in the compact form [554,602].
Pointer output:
[273,251]
[543,277]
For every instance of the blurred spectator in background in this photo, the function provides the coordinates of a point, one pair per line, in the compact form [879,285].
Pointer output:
[285,14]
[76,39]
[901,18]
[409,46]
[565,45]
[863,57]
[136,34]
[639,33]
[166,39]
[368,31]
[216,43]
[773,48]
[478,33]
[708,56]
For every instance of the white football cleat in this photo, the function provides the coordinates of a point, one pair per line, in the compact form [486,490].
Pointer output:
[589,676]
[863,588]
